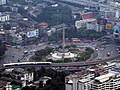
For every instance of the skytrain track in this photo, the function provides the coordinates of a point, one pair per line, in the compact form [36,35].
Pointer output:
[49,64]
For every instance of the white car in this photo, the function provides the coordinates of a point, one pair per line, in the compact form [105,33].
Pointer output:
[99,58]
[108,54]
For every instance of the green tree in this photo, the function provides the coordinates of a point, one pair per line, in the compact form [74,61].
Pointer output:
[5,9]
[2,49]
[56,15]
[55,83]
[6,26]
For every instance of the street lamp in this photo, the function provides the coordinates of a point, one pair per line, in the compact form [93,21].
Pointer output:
[57,23]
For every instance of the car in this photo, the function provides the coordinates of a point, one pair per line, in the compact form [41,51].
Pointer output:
[118,51]
[51,44]
[34,50]
[96,49]
[108,54]
[99,58]
[26,52]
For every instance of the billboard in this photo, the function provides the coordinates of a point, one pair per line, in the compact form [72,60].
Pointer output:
[86,16]
[32,34]
[116,28]
[109,26]
[101,21]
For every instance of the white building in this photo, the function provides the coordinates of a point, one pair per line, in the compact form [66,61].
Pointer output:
[82,23]
[99,28]
[69,85]
[4,17]
[109,80]
[27,77]
[95,26]
[91,26]
[83,84]
[110,13]
[2,2]
[8,86]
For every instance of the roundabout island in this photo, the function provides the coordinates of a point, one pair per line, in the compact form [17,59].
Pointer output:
[63,53]
[58,55]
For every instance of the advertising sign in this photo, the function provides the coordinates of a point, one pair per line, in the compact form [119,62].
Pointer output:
[109,26]
[87,16]
[32,33]
[116,28]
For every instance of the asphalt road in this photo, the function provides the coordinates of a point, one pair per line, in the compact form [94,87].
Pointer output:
[13,54]
[90,3]
[102,52]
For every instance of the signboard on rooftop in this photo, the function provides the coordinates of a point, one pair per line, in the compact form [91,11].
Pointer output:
[109,26]
[32,34]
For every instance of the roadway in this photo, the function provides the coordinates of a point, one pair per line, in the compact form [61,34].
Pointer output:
[71,65]
[13,54]
[91,3]
[17,54]
[102,51]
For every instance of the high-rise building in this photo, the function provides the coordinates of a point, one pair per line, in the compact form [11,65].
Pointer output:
[2,2]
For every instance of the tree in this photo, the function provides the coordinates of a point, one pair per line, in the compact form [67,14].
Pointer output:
[2,49]
[56,15]
[78,16]
[40,84]
[6,26]
[5,9]
[55,83]
[29,88]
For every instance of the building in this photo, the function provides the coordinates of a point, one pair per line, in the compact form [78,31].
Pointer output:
[95,26]
[99,28]
[44,24]
[108,78]
[2,2]
[91,26]
[58,27]
[2,35]
[86,15]
[83,84]
[109,81]
[110,14]
[2,84]
[69,85]
[75,40]
[82,23]
[4,17]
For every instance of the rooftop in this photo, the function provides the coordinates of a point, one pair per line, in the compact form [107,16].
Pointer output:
[105,77]
[84,80]
[59,26]
[43,24]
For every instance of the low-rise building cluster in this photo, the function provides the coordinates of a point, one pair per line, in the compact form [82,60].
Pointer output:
[102,77]
[15,79]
